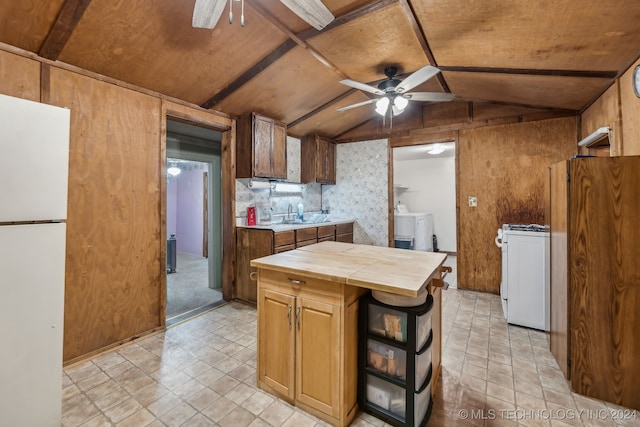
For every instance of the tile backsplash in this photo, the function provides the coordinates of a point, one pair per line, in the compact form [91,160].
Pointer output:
[311,199]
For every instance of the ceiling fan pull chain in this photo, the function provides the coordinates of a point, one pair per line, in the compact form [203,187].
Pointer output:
[230,11]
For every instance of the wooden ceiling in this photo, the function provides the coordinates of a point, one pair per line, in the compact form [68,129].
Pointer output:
[551,55]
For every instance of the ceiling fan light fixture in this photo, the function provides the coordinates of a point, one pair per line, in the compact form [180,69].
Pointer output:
[396,111]
[400,102]
[382,105]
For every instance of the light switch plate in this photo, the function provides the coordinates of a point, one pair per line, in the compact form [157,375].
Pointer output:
[473,201]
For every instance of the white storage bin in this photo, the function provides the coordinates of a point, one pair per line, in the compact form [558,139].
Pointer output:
[392,361]
[390,323]
[393,398]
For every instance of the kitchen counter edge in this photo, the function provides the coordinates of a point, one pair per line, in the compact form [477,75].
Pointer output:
[287,227]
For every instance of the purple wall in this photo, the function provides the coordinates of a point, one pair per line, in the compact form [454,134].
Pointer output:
[184,210]
[172,205]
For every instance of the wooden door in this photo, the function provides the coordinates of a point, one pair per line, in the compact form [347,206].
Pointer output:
[276,341]
[279,151]
[262,141]
[318,355]
[321,159]
[560,320]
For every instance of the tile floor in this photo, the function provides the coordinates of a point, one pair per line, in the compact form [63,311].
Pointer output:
[202,372]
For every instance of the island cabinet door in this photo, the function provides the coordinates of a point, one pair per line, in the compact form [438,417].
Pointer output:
[318,355]
[277,341]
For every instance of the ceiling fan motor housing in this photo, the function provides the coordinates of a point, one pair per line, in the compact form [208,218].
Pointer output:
[388,85]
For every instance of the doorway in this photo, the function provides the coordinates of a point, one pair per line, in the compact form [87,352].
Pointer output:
[424,181]
[194,217]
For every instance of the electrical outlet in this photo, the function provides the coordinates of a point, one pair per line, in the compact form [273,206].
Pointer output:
[473,201]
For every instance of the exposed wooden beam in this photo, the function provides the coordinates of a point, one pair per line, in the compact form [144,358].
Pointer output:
[519,105]
[320,108]
[250,73]
[294,39]
[70,14]
[533,72]
[422,38]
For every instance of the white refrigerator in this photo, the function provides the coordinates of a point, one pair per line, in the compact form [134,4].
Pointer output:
[34,160]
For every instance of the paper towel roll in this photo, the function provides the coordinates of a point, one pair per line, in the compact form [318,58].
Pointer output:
[259,185]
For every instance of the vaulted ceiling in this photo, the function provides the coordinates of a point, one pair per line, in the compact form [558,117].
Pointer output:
[555,55]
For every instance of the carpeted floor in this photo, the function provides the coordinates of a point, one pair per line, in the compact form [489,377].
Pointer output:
[188,288]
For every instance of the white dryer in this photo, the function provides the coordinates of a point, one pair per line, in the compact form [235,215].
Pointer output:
[416,226]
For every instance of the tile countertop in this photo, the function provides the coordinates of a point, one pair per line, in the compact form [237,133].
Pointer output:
[295,226]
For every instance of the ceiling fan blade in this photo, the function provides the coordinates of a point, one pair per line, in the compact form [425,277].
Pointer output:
[206,13]
[362,86]
[314,12]
[420,76]
[359,104]
[429,96]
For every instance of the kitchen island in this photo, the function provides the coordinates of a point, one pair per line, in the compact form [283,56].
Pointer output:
[308,318]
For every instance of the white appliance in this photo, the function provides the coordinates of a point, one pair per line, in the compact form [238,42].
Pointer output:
[525,286]
[416,226]
[34,142]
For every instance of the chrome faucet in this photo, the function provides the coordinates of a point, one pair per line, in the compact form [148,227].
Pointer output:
[289,212]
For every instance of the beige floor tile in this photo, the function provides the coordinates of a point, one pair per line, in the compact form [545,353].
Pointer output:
[202,372]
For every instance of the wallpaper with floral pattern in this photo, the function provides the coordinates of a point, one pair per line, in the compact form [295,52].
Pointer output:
[361,190]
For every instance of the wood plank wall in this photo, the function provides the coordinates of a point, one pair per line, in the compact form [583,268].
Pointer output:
[618,108]
[505,167]
[115,280]
[19,77]
[113,238]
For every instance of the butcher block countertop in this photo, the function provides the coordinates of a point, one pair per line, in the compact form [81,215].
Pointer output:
[398,271]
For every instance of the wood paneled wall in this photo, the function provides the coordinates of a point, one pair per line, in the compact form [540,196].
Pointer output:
[505,167]
[630,111]
[113,239]
[115,279]
[19,76]
[605,111]
[618,108]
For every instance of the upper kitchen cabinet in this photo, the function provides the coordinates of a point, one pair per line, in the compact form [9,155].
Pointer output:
[262,147]
[317,160]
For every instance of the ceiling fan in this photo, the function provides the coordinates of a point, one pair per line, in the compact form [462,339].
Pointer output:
[393,95]
[206,13]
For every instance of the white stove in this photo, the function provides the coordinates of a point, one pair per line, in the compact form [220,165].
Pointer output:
[524,288]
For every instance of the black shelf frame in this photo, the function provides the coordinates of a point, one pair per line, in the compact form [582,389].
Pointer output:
[409,384]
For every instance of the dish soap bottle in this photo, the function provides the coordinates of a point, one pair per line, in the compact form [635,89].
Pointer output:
[300,212]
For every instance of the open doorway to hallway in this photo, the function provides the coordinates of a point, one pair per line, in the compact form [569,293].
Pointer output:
[193,214]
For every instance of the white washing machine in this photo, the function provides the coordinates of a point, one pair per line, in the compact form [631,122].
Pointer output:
[416,226]
[525,285]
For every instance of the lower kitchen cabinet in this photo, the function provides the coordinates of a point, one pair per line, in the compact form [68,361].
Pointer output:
[252,243]
[307,344]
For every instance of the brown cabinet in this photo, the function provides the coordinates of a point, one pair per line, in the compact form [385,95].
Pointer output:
[261,147]
[344,232]
[317,160]
[307,349]
[595,295]
[254,243]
